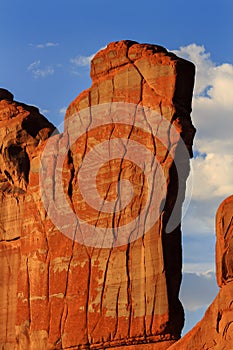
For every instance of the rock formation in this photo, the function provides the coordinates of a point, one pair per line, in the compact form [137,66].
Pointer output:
[110,288]
[215,330]
[22,132]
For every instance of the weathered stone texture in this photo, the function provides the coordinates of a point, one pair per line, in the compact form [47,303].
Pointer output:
[22,130]
[71,295]
[224,245]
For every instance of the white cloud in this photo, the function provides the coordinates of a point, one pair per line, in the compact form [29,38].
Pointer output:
[63,110]
[212,168]
[38,72]
[197,55]
[199,221]
[212,175]
[44,111]
[213,96]
[83,61]
[45,45]
[197,268]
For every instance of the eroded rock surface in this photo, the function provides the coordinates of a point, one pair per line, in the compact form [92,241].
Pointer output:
[22,132]
[72,295]
[215,330]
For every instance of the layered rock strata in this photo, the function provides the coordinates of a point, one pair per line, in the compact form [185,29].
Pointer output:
[118,285]
[215,330]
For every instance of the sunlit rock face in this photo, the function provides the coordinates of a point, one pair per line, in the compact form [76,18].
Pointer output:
[100,273]
[23,130]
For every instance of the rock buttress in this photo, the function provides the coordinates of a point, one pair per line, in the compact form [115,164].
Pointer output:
[80,295]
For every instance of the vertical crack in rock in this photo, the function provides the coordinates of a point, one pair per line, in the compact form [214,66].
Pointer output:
[88,297]
[28,294]
[7,298]
[129,298]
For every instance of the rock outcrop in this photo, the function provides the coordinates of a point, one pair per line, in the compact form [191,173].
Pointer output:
[215,330]
[116,285]
[23,130]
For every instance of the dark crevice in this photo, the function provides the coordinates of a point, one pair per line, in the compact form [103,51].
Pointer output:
[219,317]
[11,240]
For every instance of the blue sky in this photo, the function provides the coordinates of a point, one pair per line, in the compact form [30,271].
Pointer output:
[83,27]
[45,49]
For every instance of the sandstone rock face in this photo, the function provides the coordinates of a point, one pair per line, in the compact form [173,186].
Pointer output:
[224,245]
[117,285]
[22,131]
[215,330]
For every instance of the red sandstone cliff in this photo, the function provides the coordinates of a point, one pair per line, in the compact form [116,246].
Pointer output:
[62,288]
[22,132]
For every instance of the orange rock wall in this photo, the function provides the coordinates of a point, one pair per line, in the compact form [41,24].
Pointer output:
[22,130]
[73,295]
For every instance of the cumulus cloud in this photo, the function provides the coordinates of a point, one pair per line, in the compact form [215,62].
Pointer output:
[213,99]
[201,59]
[199,222]
[211,176]
[39,72]
[212,115]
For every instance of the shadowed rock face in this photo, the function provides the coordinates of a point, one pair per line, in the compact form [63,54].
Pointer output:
[86,293]
[6,95]
[215,330]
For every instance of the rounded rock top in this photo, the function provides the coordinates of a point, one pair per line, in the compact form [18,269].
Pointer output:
[6,95]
